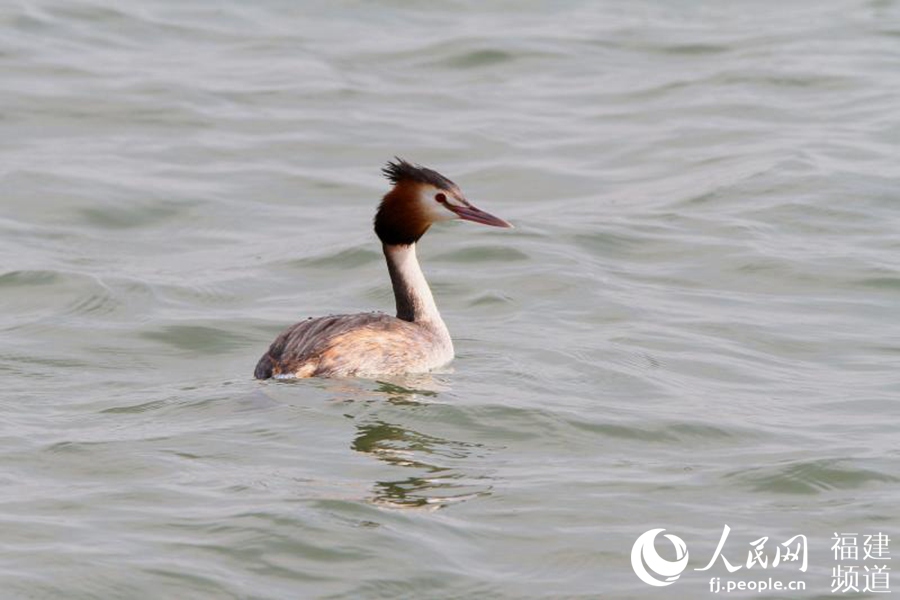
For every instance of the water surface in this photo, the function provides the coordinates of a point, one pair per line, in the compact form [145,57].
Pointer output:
[695,322]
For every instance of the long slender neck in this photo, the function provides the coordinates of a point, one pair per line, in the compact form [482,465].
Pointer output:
[414,300]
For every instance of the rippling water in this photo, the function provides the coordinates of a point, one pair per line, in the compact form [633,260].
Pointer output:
[696,322]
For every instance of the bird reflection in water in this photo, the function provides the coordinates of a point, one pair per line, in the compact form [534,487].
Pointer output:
[436,469]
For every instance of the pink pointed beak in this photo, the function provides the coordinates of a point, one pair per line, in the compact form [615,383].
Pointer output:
[468,212]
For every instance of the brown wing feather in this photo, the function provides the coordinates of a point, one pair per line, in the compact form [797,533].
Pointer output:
[344,345]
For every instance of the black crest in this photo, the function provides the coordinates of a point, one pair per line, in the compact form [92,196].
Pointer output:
[399,170]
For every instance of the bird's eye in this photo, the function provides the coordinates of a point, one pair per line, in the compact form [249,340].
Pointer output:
[441,197]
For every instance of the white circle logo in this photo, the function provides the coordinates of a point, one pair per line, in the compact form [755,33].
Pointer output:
[643,552]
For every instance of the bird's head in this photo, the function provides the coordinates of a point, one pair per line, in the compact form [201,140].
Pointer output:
[420,197]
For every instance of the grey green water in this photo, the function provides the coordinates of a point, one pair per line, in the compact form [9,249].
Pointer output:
[695,323]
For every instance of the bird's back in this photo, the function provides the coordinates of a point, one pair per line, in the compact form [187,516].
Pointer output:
[353,345]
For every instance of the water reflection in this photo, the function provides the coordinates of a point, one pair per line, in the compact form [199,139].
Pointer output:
[406,388]
[436,471]
[397,390]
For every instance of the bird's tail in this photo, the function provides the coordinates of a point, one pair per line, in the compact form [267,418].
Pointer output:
[264,367]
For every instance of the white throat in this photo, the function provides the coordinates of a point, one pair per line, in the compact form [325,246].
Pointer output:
[414,300]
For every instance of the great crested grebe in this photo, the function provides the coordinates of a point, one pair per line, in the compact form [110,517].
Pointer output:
[368,344]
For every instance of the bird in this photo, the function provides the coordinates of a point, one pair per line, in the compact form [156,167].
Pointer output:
[374,344]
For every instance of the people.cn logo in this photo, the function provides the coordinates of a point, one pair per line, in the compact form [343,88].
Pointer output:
[658,571]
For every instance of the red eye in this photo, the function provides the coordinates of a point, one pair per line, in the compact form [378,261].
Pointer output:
[440,197]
